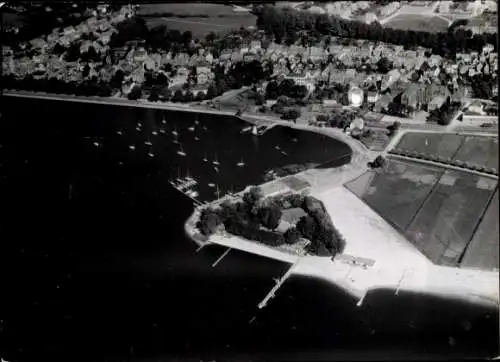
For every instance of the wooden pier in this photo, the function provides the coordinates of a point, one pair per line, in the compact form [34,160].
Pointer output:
[221,257]
[279,283]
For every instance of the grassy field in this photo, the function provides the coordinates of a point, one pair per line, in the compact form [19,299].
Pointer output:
[481,151]
[398,192]
[444,145]
[377,141]
[482,251]
[417,23]
[221,18]
[446,222]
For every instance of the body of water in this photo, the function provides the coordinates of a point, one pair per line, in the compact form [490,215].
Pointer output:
[95,263]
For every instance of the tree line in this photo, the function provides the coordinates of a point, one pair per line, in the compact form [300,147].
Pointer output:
[290,25]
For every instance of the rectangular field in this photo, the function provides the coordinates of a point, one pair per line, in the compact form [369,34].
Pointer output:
[479,150]
[417,23]
[446,222]
[221,18]
[440,144]
[482,251]
[398,192]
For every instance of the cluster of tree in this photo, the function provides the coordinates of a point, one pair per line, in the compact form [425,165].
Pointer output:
[288,24]
[58,86]
[378,162]
[287,88]
[444,114]
[245,74]
[36,21]
[129,29]
[337,119]
[482,86]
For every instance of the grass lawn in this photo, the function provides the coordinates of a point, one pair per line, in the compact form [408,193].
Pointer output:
[377,141]
[482,151]
[418,23]
[221,18]
[398,192]
[482,251]
[446,222]
[444,145]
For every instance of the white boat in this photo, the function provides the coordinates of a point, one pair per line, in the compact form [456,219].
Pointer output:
[163,121]
[137,128]
[174,132]
[150,154]
[155,133]
[192,193]
[148,143]
[205,128]
[162,131]
[215,162]
[191,129]
[254,130]
[211,185]
[246,129]
[294,140]
[216,169]
[181,152]
[132,147]
[277,148]
[205,159]
[284,153]
[241,163]
[119,132]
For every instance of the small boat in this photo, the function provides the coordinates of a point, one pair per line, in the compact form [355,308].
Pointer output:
[192,193]
[181,152]
[246,129]
[294,140]
[132,147]
[211,185]
[150,154]
[96,144]
[154,133]
[205,128]
[215,162]
[148,143]
[205,159]
[277,148]
[241,163]
[196,139]
[191,129]
[216,169]
[284,153]
[163,121]
[174,132]
[119,132]
[254,130]
[162,131]
[138,128]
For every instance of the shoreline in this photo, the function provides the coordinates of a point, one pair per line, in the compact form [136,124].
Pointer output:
[471,285]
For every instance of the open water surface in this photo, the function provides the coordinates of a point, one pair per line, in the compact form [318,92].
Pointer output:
[95,263]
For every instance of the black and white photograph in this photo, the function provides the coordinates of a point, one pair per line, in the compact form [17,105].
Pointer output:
[249,181]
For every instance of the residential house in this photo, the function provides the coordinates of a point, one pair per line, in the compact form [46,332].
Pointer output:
[245,48]
[209,57]
[69,30]
[140,55]
[372,97]
[316,53]
[236,57]
[255,45]
[390,78]
[199,89]
[203,74]
[86,44]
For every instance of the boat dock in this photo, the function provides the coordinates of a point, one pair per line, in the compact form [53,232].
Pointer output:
[279,283]
[184,186]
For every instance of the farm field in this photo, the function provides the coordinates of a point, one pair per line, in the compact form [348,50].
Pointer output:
[444,145]
[221,18]
[438,211]
[398,192]
[482,251]
[418,23]
[446,222]
[482,151]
